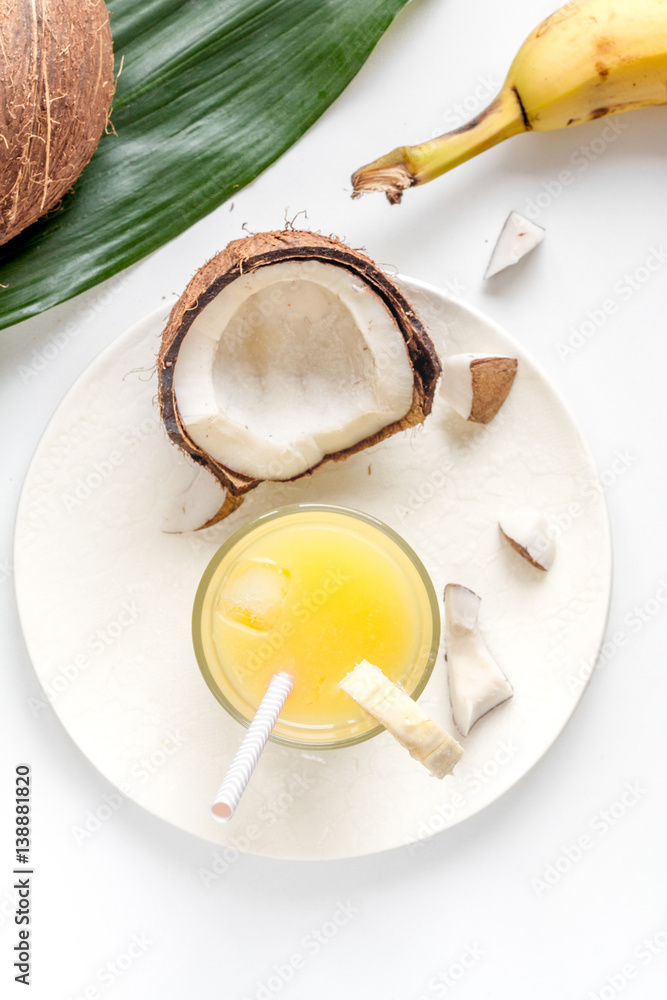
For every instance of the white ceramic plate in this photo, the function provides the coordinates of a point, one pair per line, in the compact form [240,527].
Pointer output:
[105,599]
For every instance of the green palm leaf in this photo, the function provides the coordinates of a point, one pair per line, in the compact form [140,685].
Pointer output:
[211,92]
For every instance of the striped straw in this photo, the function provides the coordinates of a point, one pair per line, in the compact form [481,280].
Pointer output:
[252,744]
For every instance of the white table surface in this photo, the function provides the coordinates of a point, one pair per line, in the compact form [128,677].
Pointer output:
[558,889]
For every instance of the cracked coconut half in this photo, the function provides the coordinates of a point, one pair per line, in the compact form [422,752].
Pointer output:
[286,350]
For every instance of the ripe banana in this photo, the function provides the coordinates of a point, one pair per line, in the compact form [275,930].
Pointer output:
[407,721]
[589,59]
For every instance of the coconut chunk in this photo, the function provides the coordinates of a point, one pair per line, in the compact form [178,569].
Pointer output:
[286,350]
[477,385]
[195,506]
[200,502]
[517,238]
[527,531]
[407,721]
[476,682]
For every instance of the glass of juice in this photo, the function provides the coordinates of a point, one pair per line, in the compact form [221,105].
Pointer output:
[310,590]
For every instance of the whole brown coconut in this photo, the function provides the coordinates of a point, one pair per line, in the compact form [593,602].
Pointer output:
[246,257]
[56,86]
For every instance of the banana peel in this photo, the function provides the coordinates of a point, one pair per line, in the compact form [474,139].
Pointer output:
[586,61]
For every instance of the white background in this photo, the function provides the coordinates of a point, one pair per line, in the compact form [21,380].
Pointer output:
[507,889]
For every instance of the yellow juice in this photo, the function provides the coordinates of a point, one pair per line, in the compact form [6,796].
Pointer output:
[311,591]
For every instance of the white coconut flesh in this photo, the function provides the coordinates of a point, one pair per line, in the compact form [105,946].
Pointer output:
[517,238]
[199,499]
[476,682]
[456,384]
[287,364]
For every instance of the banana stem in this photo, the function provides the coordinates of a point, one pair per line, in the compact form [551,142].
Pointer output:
[410,165]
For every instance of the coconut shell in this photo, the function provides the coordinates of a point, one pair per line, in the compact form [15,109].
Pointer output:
[492,380]
[262,250]
[56,86]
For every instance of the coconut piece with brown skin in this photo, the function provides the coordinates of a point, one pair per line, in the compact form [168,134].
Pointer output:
[286,350]
[528,532]
[56,86]
[201,502]
[477,385]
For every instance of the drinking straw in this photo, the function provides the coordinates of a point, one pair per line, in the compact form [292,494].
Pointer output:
[252,744]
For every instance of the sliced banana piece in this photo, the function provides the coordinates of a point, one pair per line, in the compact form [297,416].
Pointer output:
[407,721]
